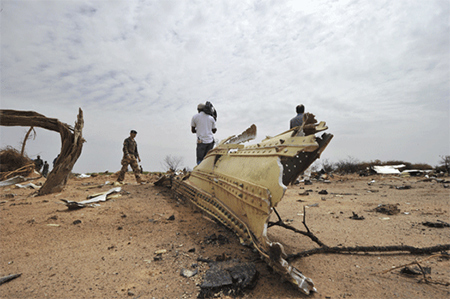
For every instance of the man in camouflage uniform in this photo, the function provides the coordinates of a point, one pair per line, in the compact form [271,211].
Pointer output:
[130,157]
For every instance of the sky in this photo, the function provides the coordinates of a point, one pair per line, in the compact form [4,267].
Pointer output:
[377,72]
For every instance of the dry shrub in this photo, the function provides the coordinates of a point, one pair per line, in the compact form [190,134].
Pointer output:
[11,160]
[350,165]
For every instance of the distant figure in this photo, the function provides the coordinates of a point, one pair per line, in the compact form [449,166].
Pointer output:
[38,163]
[54,161]
[45,169]
[130,157]
[298,120]
[204,125]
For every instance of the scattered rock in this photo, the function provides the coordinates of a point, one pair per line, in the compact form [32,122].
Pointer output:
[77,222]
[171,217]
[388,209]
[323,192]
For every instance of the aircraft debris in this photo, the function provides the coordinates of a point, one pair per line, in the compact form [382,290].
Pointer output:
[388,169]
[229,277]
[240,186]
[438,224]
[12,181]
[404,187]
[414,172]
[9,277]
[356,217]
[29,185]
[188,273]
[415,271]
[216,239]
[103,196]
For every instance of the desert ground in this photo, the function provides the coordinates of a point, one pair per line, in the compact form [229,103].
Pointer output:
[137,245]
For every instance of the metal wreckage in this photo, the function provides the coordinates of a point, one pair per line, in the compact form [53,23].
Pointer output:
[241,185]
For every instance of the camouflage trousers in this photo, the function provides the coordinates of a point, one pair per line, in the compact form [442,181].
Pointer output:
[129,160]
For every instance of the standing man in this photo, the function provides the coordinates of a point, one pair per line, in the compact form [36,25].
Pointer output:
[45,169]
[204,126]
[38,163]
[298,120]
[130,157]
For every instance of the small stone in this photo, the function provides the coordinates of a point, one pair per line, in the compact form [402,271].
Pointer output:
[188,273]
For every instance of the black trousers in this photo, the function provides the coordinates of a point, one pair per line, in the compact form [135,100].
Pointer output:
[202,150]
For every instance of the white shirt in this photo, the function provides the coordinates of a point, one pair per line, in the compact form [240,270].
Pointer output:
[203,124]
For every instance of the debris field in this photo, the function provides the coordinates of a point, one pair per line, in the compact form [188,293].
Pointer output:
[146,243]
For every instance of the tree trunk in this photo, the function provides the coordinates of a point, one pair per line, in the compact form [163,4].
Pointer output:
[71,143]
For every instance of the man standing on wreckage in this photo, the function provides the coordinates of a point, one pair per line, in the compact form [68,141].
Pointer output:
[130,157]
[204,125]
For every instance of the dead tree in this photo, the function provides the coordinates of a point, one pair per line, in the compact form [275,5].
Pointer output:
[71,143]
[27,136]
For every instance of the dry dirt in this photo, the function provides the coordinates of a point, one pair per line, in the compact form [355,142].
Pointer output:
[108,251]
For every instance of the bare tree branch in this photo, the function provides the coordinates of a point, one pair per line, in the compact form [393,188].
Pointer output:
[27,136]
[71,143]
[410,249]
[172,163]
[338,249]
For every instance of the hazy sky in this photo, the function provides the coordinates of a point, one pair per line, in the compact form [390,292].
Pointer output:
[378,72]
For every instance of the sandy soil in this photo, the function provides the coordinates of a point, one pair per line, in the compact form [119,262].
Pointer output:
[108,251]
